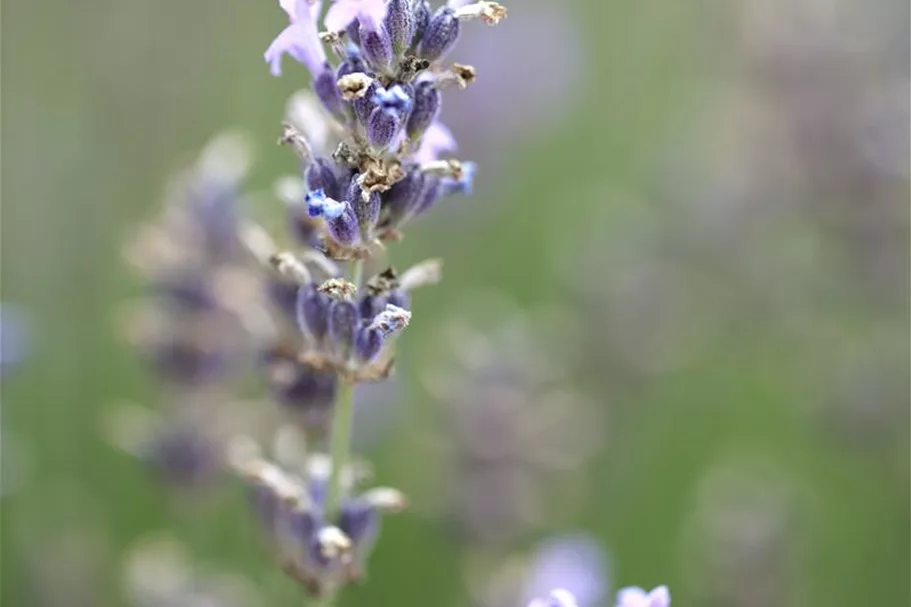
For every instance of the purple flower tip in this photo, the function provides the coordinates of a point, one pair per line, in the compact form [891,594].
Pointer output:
[319,205]
[392,99]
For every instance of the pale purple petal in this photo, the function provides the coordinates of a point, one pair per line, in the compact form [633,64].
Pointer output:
[436,140]
[659,597]
[341,14]
[632,597]
[289,6]
[372,13]
[299,40]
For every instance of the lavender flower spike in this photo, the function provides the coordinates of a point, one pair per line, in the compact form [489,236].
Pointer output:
[637,597]
[556,598]
[343,12]
[300,39]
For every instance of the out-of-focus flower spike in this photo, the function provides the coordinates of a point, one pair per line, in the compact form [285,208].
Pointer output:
[400,23]
[427,102]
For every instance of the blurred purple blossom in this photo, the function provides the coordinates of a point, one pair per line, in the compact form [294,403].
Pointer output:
[575,563]
[637,597]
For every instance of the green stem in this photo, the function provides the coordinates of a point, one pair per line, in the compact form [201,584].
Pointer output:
[340,446]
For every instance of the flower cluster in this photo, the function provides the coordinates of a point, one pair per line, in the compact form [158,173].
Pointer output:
[383,100]
[322,550]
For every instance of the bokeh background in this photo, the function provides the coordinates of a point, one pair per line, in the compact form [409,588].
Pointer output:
[712,196]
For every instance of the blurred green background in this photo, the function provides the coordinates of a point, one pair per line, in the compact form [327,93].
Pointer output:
[713,190]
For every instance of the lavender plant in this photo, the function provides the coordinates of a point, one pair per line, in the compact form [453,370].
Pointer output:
[317,312]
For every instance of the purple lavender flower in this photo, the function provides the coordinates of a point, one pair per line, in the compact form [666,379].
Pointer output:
[555,598]
[637,597]
[300,39]
[323,555]
[575,563]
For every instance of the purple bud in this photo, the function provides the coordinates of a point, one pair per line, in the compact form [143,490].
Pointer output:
[367,212]
[369,343]
[377,48]
[440,35]
[399,23]
[421,20]
[402,197]
[371,305]
[364,106]
[343,324]
[382,127]
[320,175]
[312,311]
[326,89]
[344,229]
[399,298]
[427,100]
[266,504]
[359,520]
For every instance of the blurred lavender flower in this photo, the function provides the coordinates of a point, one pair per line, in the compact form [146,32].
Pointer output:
[321,554]
[14,338]
[574,563]
[556,598]
[159,573]
[514,429]
[637,597]
[743,537]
